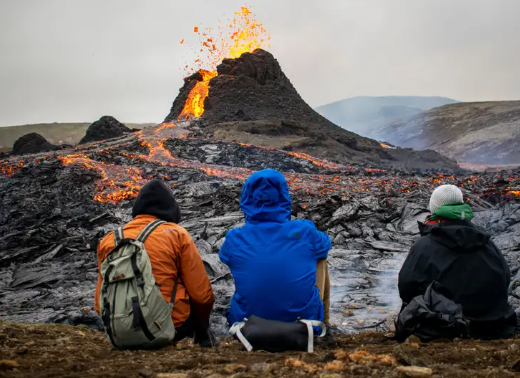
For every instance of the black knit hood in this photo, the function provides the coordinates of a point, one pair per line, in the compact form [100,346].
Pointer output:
[156,199]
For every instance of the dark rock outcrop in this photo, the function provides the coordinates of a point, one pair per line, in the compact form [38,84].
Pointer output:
[30,144]
[107,127]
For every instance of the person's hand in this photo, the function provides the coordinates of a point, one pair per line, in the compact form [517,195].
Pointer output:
[205,338]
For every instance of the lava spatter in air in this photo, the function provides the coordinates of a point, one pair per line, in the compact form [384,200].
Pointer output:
[242,34]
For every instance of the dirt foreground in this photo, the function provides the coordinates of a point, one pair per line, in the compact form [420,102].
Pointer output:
[45,350]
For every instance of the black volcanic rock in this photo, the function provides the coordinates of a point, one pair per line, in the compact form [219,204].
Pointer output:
[30,144]
[107,127]
[50,222]
[253,88]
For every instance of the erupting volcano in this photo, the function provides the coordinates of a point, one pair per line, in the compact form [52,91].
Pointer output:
[242,34]
[235,115]
[234,80]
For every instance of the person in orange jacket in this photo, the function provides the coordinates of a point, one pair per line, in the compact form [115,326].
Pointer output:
[172,252]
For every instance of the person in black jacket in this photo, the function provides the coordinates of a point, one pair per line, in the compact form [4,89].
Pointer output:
[462,258]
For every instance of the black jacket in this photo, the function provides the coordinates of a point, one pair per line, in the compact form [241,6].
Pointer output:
[471,270]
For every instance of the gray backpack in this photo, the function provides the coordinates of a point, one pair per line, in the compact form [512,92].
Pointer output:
[134,312]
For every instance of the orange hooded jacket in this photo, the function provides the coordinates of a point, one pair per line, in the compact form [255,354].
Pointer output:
[172,252]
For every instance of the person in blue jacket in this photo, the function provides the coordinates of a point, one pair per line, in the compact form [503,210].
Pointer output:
[274,261]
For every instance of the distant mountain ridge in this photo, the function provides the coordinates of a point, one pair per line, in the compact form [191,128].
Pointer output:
[473,132]
[365,115]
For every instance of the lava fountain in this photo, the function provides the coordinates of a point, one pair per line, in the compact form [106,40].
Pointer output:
[240,35]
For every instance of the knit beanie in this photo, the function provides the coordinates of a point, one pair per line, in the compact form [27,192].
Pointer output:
[445,194]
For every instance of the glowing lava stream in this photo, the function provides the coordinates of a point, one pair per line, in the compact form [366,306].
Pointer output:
[120,182]
[110,190]
[194,105]
[117,182]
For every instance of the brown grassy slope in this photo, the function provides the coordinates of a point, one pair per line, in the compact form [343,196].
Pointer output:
[63,351]
[56,133]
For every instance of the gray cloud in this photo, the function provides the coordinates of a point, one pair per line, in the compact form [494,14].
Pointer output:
[71,60]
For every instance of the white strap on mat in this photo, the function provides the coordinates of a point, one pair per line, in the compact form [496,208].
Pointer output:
[235,330]
[310,324]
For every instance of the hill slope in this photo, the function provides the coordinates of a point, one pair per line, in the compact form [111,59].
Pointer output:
[477,133]
[363,115]
[55,133]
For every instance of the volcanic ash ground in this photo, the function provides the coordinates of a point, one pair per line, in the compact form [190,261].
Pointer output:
[56,206]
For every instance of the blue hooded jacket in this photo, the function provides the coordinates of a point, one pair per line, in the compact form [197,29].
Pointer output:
[272,259]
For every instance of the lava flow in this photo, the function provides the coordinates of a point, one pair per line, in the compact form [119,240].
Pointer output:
[242,34]
[8,169]
[194,106]
[117,182]
[316,161]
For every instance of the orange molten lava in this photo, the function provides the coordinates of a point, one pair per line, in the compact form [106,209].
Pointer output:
[119,182]
[194,105]
[129,179]
[487,168]
[240,35]
[301,155]
[9,169]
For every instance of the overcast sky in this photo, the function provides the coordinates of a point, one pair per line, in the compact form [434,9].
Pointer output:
[72,60]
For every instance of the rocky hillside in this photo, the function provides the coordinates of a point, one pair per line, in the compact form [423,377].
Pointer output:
[477,133]
[251,99]
[364,115]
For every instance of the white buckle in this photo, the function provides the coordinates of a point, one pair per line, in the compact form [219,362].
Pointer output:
[310,324]
[235,330]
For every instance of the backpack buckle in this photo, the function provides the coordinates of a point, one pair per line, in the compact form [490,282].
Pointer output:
[140,281]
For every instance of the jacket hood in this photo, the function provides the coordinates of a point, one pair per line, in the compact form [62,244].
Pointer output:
[265,198]
[156,199]
[460,235]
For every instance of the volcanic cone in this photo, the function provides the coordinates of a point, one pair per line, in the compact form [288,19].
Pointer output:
[251,100]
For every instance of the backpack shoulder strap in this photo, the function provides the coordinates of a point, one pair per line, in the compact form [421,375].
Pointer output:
[148,230]
[118,236]
[142,237]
